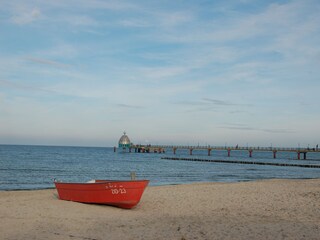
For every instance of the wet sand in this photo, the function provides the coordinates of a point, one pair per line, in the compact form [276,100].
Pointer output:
[272,209]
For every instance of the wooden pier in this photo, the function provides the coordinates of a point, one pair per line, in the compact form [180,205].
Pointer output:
[243,162]
[146,149]
[228,149]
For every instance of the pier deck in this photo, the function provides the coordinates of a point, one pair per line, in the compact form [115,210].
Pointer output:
[273,150]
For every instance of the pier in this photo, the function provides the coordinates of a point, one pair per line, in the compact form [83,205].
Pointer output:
[146,149]
[301,152]
[243,162]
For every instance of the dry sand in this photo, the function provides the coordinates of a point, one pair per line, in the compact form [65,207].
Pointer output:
[273,209]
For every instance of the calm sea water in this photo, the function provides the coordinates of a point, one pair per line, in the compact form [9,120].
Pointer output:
[35,167]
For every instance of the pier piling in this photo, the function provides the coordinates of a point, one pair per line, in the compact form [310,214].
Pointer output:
[174,150]
[190,150]
[274,153]
[243,162]
[273,150]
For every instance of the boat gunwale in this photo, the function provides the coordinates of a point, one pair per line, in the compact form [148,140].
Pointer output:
[102,182]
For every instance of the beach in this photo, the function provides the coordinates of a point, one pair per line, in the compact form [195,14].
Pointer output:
[268,209]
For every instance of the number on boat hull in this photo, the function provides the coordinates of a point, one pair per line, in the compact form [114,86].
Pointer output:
[118,191]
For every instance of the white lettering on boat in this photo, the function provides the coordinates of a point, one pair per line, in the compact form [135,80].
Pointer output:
[118,191]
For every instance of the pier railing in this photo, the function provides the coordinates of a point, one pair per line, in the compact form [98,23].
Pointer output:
[274,150]
[279,149]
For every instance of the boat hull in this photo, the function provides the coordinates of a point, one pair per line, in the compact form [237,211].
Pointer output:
[123,194]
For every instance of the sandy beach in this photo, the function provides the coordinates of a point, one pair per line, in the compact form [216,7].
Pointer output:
[272,209]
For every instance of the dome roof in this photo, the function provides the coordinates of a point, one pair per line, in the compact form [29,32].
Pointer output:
[124,140]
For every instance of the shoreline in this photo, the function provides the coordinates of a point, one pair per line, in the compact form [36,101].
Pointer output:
[261,209]
[172,184]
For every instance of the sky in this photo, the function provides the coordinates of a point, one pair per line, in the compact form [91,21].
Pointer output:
[192,72]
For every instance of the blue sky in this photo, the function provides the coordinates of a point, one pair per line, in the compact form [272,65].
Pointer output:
[168,72]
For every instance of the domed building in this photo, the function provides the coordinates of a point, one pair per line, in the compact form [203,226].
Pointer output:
[124,141]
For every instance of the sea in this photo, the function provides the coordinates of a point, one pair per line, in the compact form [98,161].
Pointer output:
[35,167]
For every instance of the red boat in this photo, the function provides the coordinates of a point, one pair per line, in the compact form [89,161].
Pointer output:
[123,194]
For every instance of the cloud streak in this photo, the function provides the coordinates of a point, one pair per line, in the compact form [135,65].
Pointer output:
[219,102]
[25,87]
[26,16]
[129,106]
[275,131]
[47,62]
[196,63]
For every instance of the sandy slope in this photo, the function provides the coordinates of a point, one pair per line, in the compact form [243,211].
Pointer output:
[274,209]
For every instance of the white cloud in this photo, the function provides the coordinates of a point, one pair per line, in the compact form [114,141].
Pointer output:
[47,62]
[136,23]
[162,72]
[24,16]
[115,60]
[174,18]
[77,20]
